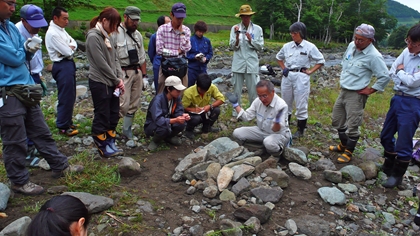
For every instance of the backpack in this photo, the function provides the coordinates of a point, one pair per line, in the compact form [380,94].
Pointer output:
[176,66]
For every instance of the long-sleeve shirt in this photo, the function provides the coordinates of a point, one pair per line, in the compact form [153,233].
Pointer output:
[104,64]
[13,69]
[199,45]
[125,43]
[407,80]
[159,112]
[36,64]
[245,57]
[360,66]
[192,98]
[266,115]
[151,51]
[168,41]
[58,43]
[301,56]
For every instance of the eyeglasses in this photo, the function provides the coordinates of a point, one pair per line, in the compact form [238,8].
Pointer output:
[138,20]
[264,96]
[359,40]
[11,4]
[409,42]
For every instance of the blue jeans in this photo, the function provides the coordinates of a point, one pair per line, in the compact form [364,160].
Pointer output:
[403,117]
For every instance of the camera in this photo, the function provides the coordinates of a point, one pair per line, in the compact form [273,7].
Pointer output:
[240,31]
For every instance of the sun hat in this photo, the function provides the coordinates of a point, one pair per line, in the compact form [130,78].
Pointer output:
[132,12]
[245,10]
[33,15]
[179,10]
[366,31]
[175,82]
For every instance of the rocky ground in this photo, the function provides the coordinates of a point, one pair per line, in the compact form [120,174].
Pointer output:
[318,197]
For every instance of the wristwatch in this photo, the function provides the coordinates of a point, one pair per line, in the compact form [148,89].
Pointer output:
[211,107]
[182,33]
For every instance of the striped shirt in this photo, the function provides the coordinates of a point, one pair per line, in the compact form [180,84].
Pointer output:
[168,41]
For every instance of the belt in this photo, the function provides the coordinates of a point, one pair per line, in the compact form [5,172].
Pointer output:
[131,67]
[399,93]
[298,70]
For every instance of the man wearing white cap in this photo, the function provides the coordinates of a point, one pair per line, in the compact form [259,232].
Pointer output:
[360,62]
[246,38]
[165,116]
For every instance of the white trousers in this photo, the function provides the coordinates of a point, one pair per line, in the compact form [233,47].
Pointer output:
[272,142]
[295,88]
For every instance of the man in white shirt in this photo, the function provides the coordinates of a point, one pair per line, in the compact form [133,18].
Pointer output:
[61,47]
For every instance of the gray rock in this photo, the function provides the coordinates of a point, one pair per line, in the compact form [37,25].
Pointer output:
[244,155]
[230,228]
[224,177]
[191,160]
[87,141]
[254,225]
[220,145]
[270,163]
[210,192]
[128,167]
[325,164]
[93,203]
[295,155]
[332,195]
[268,194]
[369,169]
[279,176]
[4,196]
[263,213]
[406,193]
[43,164]
[17,227]
[145,206]
[371,154]
[291,226]
[196,230]
[213,170]
[242,170]
[191,173]
[191,190]
[227,195]
[240,186]
[57,189]
[353,173]
[226,157]
[351,188]
[254,161]
[131,143]
[389,217]
[300,171]
[333,176]
[177,176]
[196,209]
[312,225]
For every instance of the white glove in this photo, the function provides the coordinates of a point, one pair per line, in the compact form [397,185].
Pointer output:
[32,47]
[145,83]
[200,55]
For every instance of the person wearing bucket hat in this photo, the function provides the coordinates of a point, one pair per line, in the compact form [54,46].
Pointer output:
[403,114]
[31,21]
[165,117]
[132,57]
[360,62]
[173,41]
[246,39]
[295,59]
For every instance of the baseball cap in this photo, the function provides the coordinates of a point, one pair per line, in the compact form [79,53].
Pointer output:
[132,12]
[33,15]
[175,82]
[179,10]
[366,31]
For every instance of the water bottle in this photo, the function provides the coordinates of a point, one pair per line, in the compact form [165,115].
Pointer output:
[117,92]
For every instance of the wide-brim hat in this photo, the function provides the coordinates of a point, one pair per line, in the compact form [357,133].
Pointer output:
[245,10]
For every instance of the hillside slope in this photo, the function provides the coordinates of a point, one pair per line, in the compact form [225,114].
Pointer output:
[405,15]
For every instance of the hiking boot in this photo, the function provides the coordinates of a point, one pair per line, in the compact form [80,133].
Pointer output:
[74,126]
[104,146]
[69,132]
[69,169]
[189,134]
[174,141]
[28,189]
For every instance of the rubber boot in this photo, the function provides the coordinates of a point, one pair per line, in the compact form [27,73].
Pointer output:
[348,152]
[103,147]
[301,129]
[388,163]
[110,137]
[343,142]
[289,118]
[398,171]
[127,123]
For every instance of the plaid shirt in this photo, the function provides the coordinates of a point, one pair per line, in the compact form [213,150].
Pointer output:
[168,41]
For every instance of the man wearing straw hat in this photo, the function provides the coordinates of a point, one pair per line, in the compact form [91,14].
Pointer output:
[246,38]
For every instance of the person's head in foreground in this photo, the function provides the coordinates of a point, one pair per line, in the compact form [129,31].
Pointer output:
[62,215]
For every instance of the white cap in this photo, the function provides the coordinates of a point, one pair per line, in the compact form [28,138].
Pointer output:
[175,82]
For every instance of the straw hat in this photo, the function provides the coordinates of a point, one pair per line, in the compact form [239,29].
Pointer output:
[245,10]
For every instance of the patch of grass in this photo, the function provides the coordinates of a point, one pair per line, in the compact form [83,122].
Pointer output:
[32,209]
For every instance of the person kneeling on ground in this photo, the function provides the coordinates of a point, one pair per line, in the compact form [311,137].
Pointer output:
[271,113]
[61,215]
[197,102]
[165,114]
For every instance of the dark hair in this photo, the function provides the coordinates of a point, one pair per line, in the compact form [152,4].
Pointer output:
[414,33]
[300,28]
[57,11]
[200,26]
[265,83]
[109,13]
[204,81]
[170,88]
[56,216]
[161,20]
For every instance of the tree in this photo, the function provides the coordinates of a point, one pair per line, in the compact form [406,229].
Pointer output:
[396,38]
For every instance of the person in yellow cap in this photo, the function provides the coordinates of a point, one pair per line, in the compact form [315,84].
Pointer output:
[246,39]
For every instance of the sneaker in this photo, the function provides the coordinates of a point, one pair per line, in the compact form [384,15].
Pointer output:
[189,134]
[28,189]
[69,132]
[174,141]
[69,169]
[32,161]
